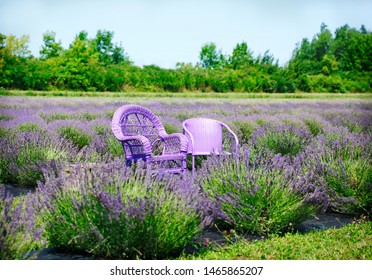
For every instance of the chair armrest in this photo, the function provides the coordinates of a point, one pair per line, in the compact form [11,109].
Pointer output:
[174,143]
[234,136]
[144,142]
[187,133]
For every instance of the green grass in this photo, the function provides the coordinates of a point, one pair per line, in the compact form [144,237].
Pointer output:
[352,242]
[229,95]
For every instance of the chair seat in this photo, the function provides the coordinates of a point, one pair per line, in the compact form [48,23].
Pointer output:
[167,157]
[206,137]
[223,153]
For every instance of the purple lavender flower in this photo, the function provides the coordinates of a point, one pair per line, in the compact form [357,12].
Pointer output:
[17,227]
[113,203]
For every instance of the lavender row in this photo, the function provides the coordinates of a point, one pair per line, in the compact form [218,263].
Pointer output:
[297,159]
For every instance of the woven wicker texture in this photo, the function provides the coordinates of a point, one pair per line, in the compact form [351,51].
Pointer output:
[139,131]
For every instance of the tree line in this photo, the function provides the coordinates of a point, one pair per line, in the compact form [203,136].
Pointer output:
[339,62]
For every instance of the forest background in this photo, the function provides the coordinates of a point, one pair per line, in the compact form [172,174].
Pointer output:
[336,62]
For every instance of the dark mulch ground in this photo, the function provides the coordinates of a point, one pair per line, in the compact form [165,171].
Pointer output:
[17,190]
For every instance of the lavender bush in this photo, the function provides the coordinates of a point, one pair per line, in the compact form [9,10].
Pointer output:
[112,145]
[261,195]
[314,126]
[329,140]
[244,130]
[112,212]
[76,136]
[78,132]
[283,139]
[19,232]
[24,154]
[343,160]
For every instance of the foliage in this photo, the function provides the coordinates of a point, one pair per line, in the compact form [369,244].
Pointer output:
[241,57]
[314,126]
[51,48]
[325,165]
[244,130]
[336,63]
[111,213]
[258,195]
[76,136]
[343,163]
[25,154]
[285,139]
[210,57]
[19,232]
[114,147]
[332,61]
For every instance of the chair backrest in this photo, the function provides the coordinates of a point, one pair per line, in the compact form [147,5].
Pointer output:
[204,136]
[137,120]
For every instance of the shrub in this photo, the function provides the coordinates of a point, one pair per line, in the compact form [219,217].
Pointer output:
[114,147]
[260,195]
[76,136]
[245,130]
[314,126]
[171,128]
[3,132]
[285,139]
[342,160]
[87,116]
[112,212]
[55,116]
[29,126]
[359,173]
[24,154]
[4,117]
[99,129]
[19,234]
[346,145]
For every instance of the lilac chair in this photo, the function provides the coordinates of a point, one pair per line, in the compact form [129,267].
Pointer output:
[140,131]
[206,137]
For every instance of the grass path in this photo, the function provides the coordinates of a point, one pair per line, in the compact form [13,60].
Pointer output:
[229,95]
[351,242]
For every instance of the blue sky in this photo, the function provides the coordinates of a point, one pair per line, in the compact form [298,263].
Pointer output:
[164,32]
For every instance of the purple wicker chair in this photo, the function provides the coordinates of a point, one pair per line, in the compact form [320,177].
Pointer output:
[140,132]
[206,137]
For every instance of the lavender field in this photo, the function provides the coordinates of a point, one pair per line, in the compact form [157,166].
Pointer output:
[297,158]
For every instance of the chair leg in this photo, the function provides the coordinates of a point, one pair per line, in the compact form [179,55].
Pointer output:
[237,159]
[128,162]
[148,165]
[184,167]
[193,167]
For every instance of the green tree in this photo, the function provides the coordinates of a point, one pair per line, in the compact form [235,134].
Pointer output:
[2,52]
[51,48]
[322,42]
[78,62]
[210,57]
[267,63]
[108,52]
[302,60]
[241,57]
[308,56]
[14,53]
[352,49]
[18,47]
[329,64]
